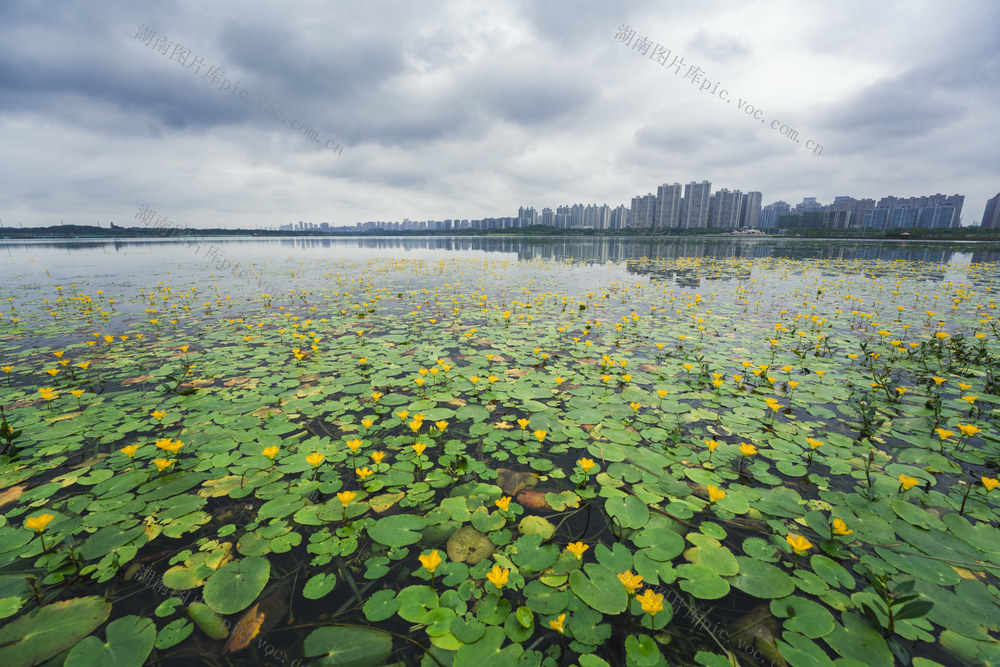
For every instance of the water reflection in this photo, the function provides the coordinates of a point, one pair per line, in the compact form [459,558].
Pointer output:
[584,249]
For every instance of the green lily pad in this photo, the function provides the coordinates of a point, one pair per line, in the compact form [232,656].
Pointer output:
[129,642]
[49,630]
[762,580]
[599,588]
[348,646]
[235,585]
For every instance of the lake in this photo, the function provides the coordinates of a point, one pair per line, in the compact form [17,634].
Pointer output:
[455,450]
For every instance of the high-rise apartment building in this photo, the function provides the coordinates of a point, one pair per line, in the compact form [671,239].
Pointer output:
[750,210]
[643,212]
[724,209]
[668,205]
[694,207]
[991,216]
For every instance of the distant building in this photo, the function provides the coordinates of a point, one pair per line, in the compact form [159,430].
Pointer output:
[643,212]
[668,205]
[991,216]
[694,206]
[750,210]
[769,214]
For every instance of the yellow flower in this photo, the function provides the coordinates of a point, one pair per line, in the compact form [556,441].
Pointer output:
[586,464]
[908,482]
[403,414]
[560,381]
[714,493]
[990,483]
[821,373]
[6,369]
[378,456]
[419,381]
[367,423]
[630,581]
[346,497]
[942,335]
[158,415]
[419,448]
[969,430]
[38,523]
[540,435]
[798,543]
[661,392]
[635,406]
[441,425]
[168,445]
[129,451]
[557,624]
[354,445]
[747,450]
[503,503]
[415,425]
[943,433]
[162,464]
[577,549]
[652,603]
[376,395]
[938,381]
[498,576]
[430,561]
[53,371]
[813,444]
[315,459]
[523,423]
[270,452]
[78,392]
[840,528]
[964,387]
[793,383]
[363,472]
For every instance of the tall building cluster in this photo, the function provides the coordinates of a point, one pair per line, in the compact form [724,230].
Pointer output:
[891,212]
[695,206]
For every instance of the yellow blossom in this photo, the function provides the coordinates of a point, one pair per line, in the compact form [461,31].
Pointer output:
[990,483]
[315,459]
[540,435]
[367,423]
[402,414]
[586,464]
[577,549]
[129,450]
[969,430]
[840,528]
[798,543]
[168,445]
[158,415]
[652,603]
[630,581]
[419,448]
[523,423]
[162,464]
[813,444]
[712,444]
[498,576]
[908,482]
[441,425]
[363,472]
[270,452]
[38,523]
[346,497]
[714,493]
[430,561]
[557,624]
[378,456]
[944,433]
[354,445]
[503,503]
[747,450]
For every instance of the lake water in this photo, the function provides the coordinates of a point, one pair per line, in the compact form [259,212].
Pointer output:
[687,410]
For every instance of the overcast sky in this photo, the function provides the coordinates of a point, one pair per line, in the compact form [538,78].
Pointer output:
[469,109]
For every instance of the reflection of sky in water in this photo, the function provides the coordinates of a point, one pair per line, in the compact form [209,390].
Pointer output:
[595,262]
